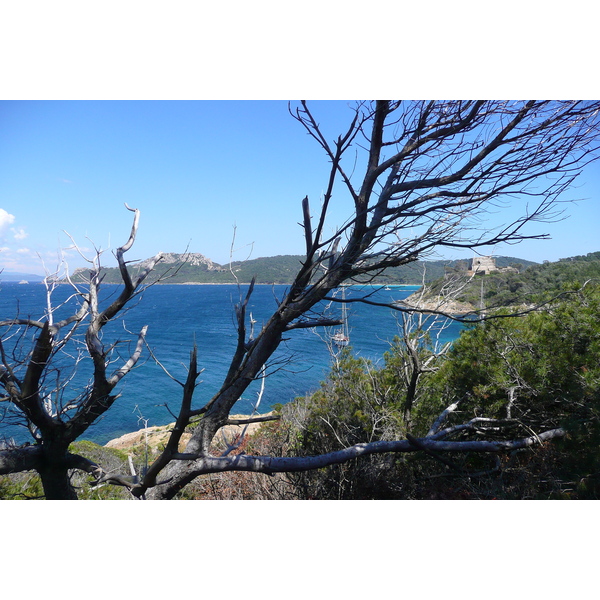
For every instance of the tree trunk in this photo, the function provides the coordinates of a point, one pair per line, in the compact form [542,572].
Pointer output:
[57,483]
[54,469]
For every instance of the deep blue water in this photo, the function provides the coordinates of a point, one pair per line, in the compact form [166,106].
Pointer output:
[177,315]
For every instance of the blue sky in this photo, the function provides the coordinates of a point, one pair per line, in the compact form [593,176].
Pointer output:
[196,170]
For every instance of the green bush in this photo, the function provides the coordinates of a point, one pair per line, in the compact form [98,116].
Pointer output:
[542,371]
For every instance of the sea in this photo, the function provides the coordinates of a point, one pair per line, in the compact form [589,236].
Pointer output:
[179,316]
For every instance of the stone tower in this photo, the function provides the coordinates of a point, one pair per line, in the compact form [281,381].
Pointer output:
[483,265]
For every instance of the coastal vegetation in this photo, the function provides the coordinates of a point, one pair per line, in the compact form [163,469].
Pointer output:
[417,177]
[529,373]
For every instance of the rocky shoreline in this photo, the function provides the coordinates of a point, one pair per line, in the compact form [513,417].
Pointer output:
[452,307]
[158,435]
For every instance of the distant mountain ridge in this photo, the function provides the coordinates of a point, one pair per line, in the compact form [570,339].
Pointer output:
[17,276]
[196,268]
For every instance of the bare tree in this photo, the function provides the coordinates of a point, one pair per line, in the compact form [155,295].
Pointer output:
[35,383]
[417,177]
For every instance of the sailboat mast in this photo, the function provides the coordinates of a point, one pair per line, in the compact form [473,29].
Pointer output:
[344,314]
[341,338]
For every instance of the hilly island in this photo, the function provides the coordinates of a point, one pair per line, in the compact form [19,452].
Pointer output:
[194,268]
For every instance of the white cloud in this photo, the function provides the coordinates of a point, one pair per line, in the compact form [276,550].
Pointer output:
[6,219]
[19,233]
[22,259]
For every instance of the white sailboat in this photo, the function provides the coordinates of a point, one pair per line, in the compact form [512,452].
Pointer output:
[342,338]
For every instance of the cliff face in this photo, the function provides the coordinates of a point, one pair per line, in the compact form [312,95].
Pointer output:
[192,259]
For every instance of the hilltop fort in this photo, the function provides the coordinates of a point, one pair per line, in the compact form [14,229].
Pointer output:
[484,265]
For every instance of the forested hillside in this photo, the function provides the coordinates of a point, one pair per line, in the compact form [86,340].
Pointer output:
[535,283]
